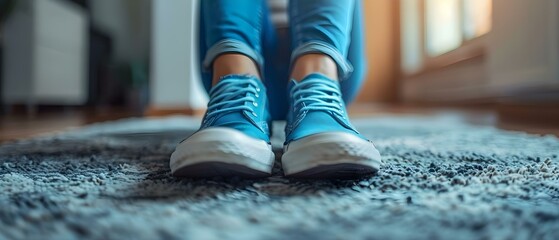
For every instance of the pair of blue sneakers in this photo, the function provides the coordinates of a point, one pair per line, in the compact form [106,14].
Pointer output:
[234,139]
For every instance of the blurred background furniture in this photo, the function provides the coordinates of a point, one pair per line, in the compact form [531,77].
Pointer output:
[45,54]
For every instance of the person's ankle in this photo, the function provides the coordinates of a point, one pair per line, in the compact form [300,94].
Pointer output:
[233,64]
[314,63]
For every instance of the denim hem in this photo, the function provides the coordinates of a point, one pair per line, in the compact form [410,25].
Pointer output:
[344,67]
[232,46]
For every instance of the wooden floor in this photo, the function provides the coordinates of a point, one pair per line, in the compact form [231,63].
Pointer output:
[20,125]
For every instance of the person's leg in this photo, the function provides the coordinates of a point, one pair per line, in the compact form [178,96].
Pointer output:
[265,45]
[356,56]
[314,63]
[320,32]
[233,63]
[233,139]
[320,141]
[229,39]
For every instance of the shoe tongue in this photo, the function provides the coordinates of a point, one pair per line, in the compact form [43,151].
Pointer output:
[291,85]
[316,76]
[312,76]
[234,79]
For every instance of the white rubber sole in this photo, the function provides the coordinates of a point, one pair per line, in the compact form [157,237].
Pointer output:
[222,152]
[330,155]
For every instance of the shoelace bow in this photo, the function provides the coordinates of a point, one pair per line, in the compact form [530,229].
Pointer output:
[231,95]
[317,95]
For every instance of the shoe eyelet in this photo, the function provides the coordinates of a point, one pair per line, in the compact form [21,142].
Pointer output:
[254,114]
[255,104]
[258,89]
[257,95]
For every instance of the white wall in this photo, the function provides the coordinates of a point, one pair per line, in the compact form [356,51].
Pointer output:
[175,79]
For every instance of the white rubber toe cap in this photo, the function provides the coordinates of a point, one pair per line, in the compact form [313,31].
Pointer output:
[223,145]
[329,149]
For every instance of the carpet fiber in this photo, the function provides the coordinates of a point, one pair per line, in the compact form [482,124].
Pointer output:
[441,179]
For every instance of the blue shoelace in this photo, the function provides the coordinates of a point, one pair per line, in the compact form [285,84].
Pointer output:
[317,95]
[230,95]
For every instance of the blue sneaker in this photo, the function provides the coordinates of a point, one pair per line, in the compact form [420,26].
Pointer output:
[233,139]
[320,141]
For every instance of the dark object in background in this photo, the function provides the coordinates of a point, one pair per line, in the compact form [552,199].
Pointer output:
[82,3]
[134,76]
[113,84]
[6,7]
[1,76]
[105,88]
[99,73]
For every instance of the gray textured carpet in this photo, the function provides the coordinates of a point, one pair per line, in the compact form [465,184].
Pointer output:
[441,179]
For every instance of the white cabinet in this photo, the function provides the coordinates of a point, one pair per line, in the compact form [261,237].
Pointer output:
[45,58]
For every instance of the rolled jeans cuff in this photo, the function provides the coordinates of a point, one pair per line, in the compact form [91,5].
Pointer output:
[231,46]
[344,67]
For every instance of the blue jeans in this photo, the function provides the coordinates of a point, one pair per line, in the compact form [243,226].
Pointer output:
[331,27]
